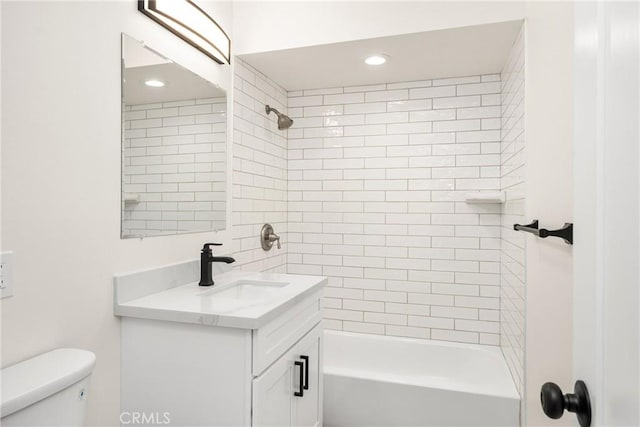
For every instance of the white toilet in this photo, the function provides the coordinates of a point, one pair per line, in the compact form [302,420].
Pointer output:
[47,390]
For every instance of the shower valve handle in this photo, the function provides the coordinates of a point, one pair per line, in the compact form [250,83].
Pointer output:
[268,237]
[275,238]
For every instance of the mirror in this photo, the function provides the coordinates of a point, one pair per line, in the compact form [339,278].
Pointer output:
[174,133]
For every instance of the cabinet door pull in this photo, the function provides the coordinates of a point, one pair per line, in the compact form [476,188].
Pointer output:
[306,371]
[300,391]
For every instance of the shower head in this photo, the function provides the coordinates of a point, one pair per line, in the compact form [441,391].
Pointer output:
[284,121]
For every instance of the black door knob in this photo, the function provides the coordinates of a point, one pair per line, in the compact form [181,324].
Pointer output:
[554,403]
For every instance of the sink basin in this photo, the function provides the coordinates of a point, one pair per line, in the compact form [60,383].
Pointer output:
[247,290]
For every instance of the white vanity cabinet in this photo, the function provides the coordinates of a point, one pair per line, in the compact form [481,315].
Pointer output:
[208,375]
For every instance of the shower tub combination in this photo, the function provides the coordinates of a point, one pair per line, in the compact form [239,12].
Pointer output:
[372,380]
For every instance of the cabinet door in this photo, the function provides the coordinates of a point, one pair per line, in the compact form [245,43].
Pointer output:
[289,393]
[308,408]
[273,394]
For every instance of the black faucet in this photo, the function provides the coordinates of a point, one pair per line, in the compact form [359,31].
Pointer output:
[206,258]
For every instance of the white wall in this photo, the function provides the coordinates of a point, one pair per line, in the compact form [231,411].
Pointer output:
[61,178]
[377,181]
[549,186]
[259,169]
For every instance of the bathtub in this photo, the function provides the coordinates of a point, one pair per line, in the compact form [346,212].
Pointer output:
[372,380]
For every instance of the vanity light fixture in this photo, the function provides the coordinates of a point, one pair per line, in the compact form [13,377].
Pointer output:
[376,60]
[192,24]
[154,83]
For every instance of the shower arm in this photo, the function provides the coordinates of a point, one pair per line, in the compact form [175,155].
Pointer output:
[269,109]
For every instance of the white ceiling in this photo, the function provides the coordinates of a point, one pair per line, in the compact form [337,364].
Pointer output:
[455,52]
[180,84]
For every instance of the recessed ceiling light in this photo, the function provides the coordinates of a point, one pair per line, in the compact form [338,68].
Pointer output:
[154,83]
[376,60]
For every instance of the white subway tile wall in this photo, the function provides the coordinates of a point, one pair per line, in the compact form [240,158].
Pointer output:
[173,175]
[259,170]
[377,181]
[512,177]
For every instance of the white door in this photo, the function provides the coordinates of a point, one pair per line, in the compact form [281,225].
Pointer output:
[606,245]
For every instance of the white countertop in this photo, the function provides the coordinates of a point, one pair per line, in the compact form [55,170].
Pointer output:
[191,303]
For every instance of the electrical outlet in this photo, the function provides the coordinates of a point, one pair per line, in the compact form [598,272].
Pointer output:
[6,274]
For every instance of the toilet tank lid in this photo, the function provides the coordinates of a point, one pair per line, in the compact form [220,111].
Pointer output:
[41,376]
